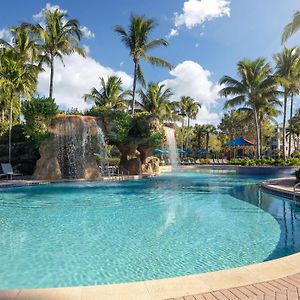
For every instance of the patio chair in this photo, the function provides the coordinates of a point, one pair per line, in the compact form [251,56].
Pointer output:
[8,170]
[225,161]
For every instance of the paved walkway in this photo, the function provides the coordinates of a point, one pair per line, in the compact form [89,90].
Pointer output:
[287,288]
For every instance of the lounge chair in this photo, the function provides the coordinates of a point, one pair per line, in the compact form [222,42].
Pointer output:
[8,170]
[225,161]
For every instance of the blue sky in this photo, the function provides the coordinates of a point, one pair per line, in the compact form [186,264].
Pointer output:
[211,38]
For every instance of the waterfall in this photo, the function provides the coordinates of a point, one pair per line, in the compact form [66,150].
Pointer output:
[172,145]
[77,139]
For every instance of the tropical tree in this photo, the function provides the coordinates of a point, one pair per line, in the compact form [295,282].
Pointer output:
[111,95]
[208,130]
[188,109]
[57,37]
[136,39]
[17,79]
[237,123]
[199,135]
[291,28]
[156,100]
[287,69]
[254,89]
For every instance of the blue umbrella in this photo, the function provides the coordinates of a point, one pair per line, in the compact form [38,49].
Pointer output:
[201,151]
[189,151]
[158,151]
[180,150]
[239,141]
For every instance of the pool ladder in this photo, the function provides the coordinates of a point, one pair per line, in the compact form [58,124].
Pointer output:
[294,190]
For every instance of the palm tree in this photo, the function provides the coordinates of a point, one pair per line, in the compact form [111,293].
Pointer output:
[286,63]
[187,108]
[111,95]
[252,90]
[291,28]
[136,39]
[156,100]
[294,90]
[200,133]
[209,130]
[57,37]
[17,79]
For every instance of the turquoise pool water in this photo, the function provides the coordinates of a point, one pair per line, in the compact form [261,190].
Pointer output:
[110,232]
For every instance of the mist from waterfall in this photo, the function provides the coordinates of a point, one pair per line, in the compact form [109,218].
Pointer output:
[172,147]
[77,141]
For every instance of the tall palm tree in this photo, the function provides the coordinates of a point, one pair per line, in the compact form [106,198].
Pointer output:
[17,79]
[200,133]
[286,63]
[136,39]
[111,94]
[156,100]
[57,37]
[188,109]
[254,87]
[209,130]
[294,91]
[291,28]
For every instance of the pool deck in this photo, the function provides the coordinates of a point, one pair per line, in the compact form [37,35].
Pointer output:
[282,186]
[275,279]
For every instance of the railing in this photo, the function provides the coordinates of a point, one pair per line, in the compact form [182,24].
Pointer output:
[294,190]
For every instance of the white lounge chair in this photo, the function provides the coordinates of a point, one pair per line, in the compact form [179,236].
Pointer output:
[8,170]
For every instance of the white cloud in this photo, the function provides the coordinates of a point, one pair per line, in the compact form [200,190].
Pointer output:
[196,12]
[173,32]
[5,34]
[87,33]
[191,79]
[75,79]
[206,117]
[39,16]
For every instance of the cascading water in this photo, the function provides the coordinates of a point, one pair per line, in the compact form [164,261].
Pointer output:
[171,142]
[77,139]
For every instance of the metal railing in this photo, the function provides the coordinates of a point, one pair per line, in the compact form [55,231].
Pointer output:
[294,190]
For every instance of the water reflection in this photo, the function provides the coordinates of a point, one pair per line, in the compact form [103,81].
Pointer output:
[286,213]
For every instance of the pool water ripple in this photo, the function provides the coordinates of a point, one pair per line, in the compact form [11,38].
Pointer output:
[110,232]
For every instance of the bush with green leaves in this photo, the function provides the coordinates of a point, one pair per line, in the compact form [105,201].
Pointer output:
[38,113]
[266,161]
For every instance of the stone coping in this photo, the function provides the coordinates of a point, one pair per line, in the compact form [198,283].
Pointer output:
[167,288]
[25,182]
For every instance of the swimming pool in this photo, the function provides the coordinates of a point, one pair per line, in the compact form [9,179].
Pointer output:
[109,232]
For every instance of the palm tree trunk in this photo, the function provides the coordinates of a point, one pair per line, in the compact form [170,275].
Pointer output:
[284,126]
[10,128]
[207,141]
[188,134]
[51,76]
[291,121]
[134,87]
[257,129]
[182,133]
[261,136]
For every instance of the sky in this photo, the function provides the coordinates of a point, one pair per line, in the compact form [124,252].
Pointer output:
[206,40]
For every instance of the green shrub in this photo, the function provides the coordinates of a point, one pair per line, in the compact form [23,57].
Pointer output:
[38,112]
[297,174]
